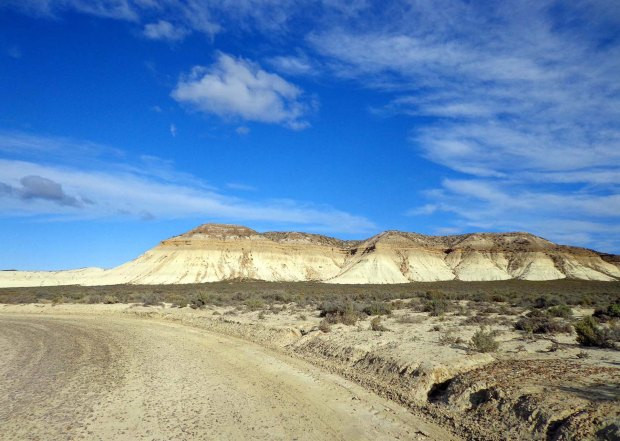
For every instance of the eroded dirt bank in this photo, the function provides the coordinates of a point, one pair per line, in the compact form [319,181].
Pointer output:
[68,374]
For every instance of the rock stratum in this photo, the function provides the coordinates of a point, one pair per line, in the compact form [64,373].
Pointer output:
[216,252]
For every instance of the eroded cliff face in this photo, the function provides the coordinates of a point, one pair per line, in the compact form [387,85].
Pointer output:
[215,252]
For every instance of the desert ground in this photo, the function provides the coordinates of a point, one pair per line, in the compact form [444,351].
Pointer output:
[289,361]
[101,377]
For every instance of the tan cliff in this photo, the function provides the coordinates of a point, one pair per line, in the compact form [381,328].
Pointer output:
[215,252]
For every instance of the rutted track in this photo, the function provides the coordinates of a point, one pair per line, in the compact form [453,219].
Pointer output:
[107,377]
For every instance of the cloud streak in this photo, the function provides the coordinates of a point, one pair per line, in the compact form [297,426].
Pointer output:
[519,101]
[151,189]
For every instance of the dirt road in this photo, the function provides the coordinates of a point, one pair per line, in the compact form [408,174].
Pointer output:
[116,378]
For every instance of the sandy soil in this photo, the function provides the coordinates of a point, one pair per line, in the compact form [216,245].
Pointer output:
[103,376]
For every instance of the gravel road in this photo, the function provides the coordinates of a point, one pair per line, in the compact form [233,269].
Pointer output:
[116,378]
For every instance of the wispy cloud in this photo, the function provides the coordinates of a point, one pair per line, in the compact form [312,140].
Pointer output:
[293,64]
[520,99]
[149,189]
[237,88]
[164,30]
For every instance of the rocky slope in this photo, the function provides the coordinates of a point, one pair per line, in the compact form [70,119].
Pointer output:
[214,252]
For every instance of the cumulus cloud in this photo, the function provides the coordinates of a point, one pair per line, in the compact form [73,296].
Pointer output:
[164,30]
[237,88]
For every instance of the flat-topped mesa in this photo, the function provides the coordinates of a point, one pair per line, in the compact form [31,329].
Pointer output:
[217,252]
[309,238]
[220,231]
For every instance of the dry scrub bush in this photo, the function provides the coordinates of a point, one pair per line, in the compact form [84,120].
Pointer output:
[376,325]
[483,341]
[612,311]
[589,333]
[324,326]
[539,322]
[448,338]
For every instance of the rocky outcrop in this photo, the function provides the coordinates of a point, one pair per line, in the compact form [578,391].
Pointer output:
[215,252]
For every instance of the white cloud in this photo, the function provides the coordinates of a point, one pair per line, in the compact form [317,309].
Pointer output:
[164,30]
[144,189]
[242,130]
[115,9]
[586,217]
[173,130]
[293,65]
[521,96]
[236,88]
[502,95]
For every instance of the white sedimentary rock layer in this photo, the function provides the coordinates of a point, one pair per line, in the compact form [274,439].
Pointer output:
[215,252]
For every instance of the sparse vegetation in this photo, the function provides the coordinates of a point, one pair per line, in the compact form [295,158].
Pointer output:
[411,319]
[516,293]
[540,322]
[561,311]
[377,308]
[376,325]
[589,333]
[612,311]
[483,341]
[449,338]
[324,326]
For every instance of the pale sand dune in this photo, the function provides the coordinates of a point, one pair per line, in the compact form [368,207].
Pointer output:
[216,252]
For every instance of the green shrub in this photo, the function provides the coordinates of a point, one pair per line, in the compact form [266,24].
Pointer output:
[483,341]
[562,311]
[339,312]
[589,333]
[610,312]
[109,300]
[437,307]
[377,308]
[539,322]
[448,338]
[253,304]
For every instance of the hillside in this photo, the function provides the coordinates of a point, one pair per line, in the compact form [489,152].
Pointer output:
[216,252]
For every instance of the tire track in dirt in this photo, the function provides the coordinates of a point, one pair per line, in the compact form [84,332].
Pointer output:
[103,378]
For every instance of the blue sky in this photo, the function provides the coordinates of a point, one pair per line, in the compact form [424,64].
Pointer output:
[123,122]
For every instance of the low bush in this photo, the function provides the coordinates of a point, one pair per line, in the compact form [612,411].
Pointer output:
[562,311]
[539,322]
[339,312]
[612,311]
[483,341]
[324,326]
[437,307]
[589,333]
[377,308]
[254,304]
[448,338]
[376,325]
[411,319]
[479,320]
